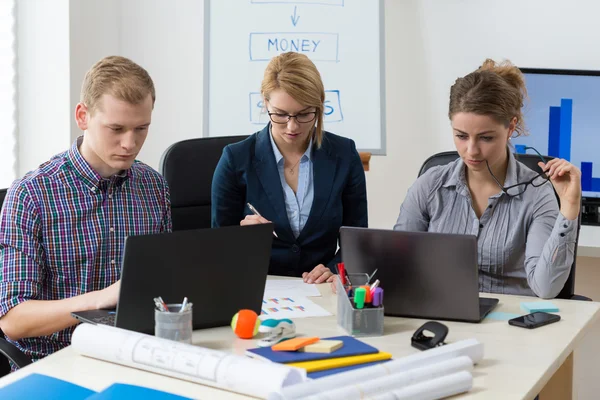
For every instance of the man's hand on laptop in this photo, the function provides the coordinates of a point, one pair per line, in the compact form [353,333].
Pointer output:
[108,297]
[319,274]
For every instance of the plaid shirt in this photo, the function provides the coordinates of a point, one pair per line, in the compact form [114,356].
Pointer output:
[62,231]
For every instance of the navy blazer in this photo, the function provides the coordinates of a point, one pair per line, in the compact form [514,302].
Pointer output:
[247,172]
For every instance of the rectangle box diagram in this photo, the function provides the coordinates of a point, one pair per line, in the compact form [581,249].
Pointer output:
[296,2]
[317,46]
[333,108]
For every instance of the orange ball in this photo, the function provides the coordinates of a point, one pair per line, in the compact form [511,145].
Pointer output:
[245,324]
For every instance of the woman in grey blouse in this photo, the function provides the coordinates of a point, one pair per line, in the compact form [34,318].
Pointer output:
[525,243]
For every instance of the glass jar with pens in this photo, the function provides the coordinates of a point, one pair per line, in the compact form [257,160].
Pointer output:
[359,303]
[173,321]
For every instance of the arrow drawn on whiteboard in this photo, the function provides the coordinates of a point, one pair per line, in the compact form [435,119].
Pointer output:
[294,17]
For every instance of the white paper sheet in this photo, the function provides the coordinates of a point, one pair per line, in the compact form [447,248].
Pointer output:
[184,361]
[471,348]
[290,288]
[290,307]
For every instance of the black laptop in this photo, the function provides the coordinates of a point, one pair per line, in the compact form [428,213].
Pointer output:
[424,275]
[219,270]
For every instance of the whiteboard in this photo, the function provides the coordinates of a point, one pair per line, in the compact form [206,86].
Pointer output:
[344,38]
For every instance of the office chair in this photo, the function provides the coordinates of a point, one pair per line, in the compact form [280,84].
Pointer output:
[530,160]
[2,196]
[188,167]
[7,350]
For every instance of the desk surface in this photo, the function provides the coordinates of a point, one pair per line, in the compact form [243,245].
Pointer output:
[517,362]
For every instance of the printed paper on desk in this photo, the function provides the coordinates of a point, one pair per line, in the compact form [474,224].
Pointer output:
[290,288]
[290,307]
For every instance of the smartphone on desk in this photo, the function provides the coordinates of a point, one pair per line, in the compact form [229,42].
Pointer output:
[534,320]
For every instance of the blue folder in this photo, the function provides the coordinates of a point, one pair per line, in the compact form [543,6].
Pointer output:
[42,387]
[351,347]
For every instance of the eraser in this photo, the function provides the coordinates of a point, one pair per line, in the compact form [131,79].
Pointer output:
[533,306]
[323,346]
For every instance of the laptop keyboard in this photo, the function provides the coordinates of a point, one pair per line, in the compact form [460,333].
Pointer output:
[105,320]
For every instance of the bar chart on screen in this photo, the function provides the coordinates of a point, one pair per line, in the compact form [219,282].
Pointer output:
[562,119]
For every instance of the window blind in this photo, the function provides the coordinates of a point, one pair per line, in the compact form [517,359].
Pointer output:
[8,93]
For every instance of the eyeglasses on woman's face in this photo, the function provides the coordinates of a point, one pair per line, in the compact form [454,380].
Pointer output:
[301,118]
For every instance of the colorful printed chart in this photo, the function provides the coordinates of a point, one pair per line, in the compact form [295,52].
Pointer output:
[291,307]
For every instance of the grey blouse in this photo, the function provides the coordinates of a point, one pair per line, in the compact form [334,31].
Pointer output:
[525,246]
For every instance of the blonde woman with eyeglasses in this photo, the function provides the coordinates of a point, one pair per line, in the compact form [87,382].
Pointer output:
[306,181]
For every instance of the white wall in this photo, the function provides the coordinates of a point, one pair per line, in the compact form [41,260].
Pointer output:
[94,28]
[428,44]
[43,80]
[166,38]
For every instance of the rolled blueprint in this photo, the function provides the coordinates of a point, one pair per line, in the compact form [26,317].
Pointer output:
[438,388]
[471,348]
[184,361]
[397,381]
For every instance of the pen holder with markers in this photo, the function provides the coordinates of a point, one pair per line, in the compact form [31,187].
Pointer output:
[367,321]
[174,324]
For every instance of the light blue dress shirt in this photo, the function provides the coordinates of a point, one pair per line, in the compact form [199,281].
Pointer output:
[297,204]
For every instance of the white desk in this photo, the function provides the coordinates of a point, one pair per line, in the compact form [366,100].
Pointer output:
[517,364]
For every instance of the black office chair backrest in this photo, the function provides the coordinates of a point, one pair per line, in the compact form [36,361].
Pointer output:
[2,196]
[531,161]
[4,366]
[188,167]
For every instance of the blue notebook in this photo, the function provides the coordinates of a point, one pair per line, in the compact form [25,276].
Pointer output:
[42,387]
[351,347]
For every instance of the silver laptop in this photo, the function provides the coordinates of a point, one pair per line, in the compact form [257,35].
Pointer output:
[424,275]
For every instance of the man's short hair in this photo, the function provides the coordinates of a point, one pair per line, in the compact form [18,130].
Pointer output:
[118,76]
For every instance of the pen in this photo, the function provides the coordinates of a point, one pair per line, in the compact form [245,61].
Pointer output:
[184,304]
[372,275]
[255,212]
[374,285]
[160,304]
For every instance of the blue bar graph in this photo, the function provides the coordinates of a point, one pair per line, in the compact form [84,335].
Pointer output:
[566,118]
[559,142]
[586,176]
[520,148]
[560,132]
[554,132]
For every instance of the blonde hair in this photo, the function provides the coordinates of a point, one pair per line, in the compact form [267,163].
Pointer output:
[296,75]
[494,89]
[119,77]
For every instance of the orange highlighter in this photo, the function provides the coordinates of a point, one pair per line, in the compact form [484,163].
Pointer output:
[368,294]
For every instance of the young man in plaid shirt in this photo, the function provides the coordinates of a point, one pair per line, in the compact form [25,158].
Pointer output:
[63,225]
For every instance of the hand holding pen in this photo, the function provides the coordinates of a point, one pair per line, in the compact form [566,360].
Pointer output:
[255,219]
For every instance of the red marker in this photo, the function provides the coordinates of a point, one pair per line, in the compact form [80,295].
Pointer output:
[342,272]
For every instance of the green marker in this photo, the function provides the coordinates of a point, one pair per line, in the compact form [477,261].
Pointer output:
[359,297]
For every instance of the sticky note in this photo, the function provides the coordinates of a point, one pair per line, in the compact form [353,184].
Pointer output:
[294,344]
[501,316]
[323,346]
[533,306]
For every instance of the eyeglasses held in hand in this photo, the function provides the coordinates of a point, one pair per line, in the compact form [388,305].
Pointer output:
[519,188]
